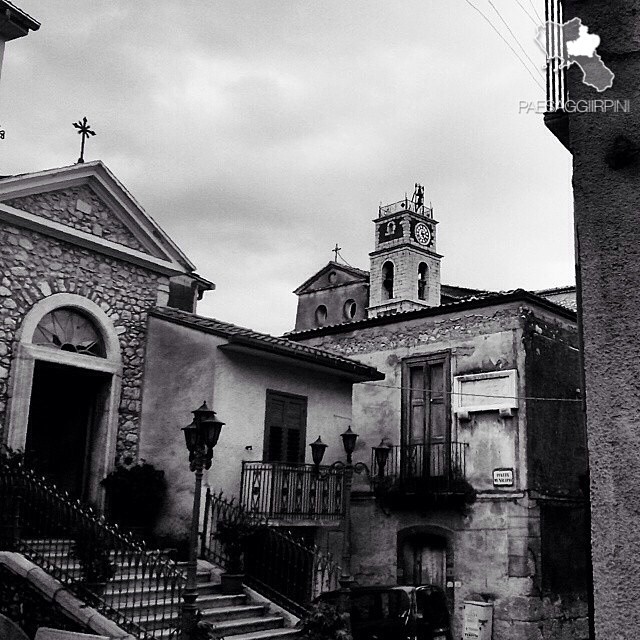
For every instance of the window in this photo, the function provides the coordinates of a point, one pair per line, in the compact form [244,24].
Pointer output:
[423,273]
[426,392]
[387,280]
[321,315]
[68,330]
[285,427]
[350,309]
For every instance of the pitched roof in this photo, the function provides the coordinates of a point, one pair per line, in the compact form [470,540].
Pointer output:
[14,22]
[359,274]
[468,302]
[111,191]
[264,342]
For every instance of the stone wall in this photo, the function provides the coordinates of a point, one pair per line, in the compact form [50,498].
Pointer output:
[80,208]
[606,191]
[34,266]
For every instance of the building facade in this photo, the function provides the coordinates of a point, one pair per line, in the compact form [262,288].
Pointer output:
[481,409]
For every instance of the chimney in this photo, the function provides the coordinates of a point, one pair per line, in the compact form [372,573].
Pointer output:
[14,23]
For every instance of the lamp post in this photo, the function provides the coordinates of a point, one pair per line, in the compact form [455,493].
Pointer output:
[201,436]
[381,452]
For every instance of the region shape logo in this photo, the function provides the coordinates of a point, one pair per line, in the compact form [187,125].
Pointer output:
[578,47]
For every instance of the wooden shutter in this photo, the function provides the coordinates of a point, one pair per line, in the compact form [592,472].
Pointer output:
[285,427]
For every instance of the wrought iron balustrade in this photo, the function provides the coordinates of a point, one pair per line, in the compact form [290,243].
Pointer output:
[276,563]
[285,491]
[136,587]
[556,72]
[439,467]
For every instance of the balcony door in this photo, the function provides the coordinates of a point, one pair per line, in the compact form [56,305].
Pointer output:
[426,426]
[285,427]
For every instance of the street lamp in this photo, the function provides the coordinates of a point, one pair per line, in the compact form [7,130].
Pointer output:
[381,452]
[201,436]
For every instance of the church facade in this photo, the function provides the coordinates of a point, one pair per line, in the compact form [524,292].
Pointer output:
[480,408]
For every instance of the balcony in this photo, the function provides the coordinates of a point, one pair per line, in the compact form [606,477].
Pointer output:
[292,492]
[433,470]
[556,119]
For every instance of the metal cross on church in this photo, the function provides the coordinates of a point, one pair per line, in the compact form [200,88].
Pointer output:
[336,250]
[85,132]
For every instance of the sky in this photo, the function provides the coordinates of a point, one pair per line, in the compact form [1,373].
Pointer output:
[260,133]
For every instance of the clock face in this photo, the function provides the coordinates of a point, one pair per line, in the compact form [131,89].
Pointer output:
[422,233]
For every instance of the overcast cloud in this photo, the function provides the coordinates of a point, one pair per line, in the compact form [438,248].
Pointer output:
[259,133]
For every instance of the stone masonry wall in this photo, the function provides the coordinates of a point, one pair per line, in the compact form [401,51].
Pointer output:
[80,208]
[34,266]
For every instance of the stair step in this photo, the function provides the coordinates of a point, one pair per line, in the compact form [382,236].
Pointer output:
[208,593]
[248,625]
[269,634]
[212,605]
[218,614]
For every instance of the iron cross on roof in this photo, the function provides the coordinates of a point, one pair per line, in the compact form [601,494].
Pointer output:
[85,132]
[336,250]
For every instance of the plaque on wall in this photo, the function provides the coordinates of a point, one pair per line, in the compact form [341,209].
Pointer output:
[493,391]
[503,477]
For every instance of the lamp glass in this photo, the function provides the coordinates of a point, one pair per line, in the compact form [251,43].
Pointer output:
[381,453]
[191,436]
[317,451]
[349,440]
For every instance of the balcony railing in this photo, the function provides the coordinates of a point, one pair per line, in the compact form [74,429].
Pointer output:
[556,73]
[285,491]
[405,205]
[435,468]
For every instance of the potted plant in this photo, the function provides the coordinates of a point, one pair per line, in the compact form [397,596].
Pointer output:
[233,532]
[325,622]
[94,556]
[135,495]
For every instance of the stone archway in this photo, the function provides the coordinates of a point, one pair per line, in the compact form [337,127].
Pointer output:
[41,372]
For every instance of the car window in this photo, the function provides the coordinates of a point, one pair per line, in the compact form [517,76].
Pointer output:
[431,605]
[379,605]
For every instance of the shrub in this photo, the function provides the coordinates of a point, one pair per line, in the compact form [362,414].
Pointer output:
[325,622]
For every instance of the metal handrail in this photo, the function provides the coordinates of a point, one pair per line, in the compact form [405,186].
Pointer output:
[116,573]
[286,491]
[276,564]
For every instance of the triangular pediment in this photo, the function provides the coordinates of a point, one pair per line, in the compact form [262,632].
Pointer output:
[89,199]
[333,274]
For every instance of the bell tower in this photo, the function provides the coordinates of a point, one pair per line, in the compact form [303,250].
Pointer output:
[405,268]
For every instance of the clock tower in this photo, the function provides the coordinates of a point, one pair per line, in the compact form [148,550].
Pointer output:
[405,268]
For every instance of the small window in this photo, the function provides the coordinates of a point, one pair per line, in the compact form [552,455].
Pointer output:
[67,330]
[387,280]
[423,274]
[350,309]
[321,315]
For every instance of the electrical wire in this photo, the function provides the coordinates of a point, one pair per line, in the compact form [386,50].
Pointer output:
[537,23]
[343,260]
[515,53]
[533,6]
[476,395]
[513,35]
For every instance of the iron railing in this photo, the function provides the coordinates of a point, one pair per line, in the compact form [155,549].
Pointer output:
[278,490]
[405,205]
[275,562]
[25,605]
[134,586]
[556,73]
[439,467]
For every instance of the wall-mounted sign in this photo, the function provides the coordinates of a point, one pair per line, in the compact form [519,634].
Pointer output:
[493,391]
[503,477]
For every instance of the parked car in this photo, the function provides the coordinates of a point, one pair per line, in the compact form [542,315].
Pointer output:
[395,613]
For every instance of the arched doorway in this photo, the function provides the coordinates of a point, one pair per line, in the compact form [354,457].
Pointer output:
[422,557]
[65,391]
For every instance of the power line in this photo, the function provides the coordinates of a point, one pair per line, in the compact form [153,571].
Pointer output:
[533,6]
[513,35]
[536,23]
[343,260]
[515,53]
[476,395]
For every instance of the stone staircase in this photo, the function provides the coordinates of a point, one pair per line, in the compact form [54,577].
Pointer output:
[232,616]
